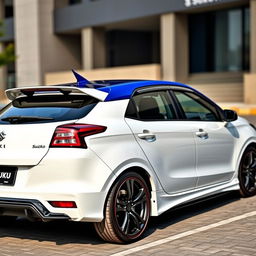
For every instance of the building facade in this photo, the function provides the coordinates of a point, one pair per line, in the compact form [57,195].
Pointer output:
[208,44]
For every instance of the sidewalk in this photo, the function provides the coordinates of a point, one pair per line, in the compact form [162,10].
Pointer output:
[241,108]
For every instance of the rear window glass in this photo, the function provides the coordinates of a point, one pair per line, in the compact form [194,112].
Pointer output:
[50,108]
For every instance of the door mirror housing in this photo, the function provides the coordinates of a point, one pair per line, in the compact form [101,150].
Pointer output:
[229,115]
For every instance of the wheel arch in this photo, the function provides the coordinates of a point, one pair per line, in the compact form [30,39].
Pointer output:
[248,144]
[246,190]
[149,179]
[252,144]
[109,229]
[142,172]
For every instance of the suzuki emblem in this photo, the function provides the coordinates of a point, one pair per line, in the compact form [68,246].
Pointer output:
[2,136]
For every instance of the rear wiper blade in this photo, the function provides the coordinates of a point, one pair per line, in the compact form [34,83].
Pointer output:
[22,119]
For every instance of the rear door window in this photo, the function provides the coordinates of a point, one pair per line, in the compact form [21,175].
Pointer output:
[153,106]
[50,108]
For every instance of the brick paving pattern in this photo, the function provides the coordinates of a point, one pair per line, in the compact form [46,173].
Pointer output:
[79,239]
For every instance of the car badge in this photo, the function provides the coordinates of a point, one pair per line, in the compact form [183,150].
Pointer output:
[2,136]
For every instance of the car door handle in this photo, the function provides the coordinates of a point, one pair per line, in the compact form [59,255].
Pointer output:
[148,136]
[202,134]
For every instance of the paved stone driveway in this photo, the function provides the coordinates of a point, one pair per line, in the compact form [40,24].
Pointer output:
[67,238]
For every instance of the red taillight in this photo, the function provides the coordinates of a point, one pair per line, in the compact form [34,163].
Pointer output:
[63,204]
[72,135]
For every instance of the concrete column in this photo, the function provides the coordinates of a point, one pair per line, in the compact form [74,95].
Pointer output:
[3,70]
[174,47]
[93,48]
[99,48]
[253,35]
[87,48]
[27,41]
[250,79]
[168,46]
[39,50]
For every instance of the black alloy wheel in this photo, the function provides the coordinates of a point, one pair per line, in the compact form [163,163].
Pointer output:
[127,210]
[247,173]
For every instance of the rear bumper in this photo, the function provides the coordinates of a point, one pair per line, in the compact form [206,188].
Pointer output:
[90,206]
[30,208]
[63,175]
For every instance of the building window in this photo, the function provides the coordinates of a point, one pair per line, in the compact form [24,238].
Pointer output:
[71,2]
[11,77]
[126,48]
[8,12]
[219,41]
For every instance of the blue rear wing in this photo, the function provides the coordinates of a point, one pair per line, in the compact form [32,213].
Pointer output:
[105,90]
[122,89]
[82,82]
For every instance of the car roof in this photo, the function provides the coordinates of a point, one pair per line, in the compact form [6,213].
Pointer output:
[104,90]
[123,89]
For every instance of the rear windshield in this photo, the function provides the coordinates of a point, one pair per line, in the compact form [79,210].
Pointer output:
[50,108]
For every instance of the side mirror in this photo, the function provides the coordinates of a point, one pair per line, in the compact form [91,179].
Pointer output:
[229,115]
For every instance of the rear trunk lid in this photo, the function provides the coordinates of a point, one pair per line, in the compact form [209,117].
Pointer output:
[28,123]
[23,144]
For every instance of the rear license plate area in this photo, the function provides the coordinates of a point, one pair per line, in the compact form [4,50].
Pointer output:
[8,175]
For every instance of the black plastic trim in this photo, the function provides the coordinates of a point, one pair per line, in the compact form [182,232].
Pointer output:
[32,208]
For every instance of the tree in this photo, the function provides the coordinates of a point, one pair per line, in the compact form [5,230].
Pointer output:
[8,54]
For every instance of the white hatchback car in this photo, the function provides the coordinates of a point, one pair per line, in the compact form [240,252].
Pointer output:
[117,152]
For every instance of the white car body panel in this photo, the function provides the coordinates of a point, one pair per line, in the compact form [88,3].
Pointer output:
[174,141]
[214,154]
[28,144]
[166,202]
[62,174]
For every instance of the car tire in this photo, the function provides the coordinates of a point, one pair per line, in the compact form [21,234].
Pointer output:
[247,173]
[127,210]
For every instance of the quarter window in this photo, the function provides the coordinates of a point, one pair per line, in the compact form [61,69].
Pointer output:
[196,108]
